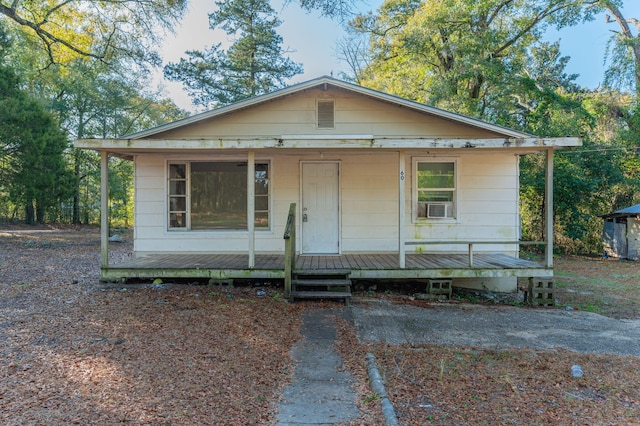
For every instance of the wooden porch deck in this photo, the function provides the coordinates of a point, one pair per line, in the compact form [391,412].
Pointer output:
[362,266]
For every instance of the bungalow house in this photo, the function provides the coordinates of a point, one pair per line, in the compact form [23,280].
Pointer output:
[621,233]
[343,177]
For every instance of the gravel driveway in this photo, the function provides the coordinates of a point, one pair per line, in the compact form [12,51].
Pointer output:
[498,327]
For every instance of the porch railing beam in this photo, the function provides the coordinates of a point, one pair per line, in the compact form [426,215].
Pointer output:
[470,245]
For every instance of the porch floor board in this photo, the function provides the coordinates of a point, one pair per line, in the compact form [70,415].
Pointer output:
[363,266]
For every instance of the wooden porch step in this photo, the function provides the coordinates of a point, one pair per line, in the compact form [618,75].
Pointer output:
[320,294]
[333,282]
[346,295]
[321,284]
[322,272]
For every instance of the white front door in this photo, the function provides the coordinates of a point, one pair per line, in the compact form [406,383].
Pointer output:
[320,208]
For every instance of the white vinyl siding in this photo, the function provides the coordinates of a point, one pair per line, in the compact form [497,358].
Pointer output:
[487,205]
[369,203]
[352,114]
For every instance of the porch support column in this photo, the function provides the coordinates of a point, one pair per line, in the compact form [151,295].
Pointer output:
[401,209]
[548,210]
[251,207]
[104,209]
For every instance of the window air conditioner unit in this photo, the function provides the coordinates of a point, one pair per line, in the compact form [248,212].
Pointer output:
[437,211]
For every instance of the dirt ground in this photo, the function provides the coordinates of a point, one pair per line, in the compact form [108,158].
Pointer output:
[75,352]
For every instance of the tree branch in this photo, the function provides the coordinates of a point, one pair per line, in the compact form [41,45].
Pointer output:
[44,35]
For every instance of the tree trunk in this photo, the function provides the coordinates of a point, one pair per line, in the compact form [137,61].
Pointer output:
[29,213]
[630,40]
[76,190]
[40,212]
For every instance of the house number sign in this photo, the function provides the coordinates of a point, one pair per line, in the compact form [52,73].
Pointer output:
[402,175]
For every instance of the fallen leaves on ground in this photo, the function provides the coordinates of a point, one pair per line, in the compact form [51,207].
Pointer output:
[73,353]
[441,386]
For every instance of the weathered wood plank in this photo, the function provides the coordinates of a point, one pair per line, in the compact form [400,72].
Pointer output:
[369,265]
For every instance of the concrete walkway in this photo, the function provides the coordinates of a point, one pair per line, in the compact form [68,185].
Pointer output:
[320,393]
[496,327]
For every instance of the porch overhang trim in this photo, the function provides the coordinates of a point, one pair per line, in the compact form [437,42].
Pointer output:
[323,142]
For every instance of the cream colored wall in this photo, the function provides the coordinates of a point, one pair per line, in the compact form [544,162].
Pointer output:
[369,200]
[487,204]
[354,114]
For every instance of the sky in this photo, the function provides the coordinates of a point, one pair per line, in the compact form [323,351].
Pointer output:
[311,40]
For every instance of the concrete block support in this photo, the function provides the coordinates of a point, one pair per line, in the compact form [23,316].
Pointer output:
[439,287]
[540,292]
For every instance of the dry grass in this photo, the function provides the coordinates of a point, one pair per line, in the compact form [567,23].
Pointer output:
[606,286]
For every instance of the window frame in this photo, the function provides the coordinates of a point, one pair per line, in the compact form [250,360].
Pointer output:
[415,190]
[187,164]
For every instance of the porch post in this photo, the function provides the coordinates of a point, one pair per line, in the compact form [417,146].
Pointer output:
[548,212]
[251,207]
[401,208]
[104,209]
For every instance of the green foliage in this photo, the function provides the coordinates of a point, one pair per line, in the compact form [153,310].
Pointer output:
[253,64]
[487,59]
[32,147]
[458,55]
[94,100]
[62,32]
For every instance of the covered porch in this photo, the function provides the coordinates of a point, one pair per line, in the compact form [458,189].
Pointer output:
[361,266]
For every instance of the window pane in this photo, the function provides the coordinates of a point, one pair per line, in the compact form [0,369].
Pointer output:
[262,186]
[436,175]
[177,171]
[177,220]
[262,203]
[262,220]
[178,204]
[262,179]
[178,187]
[218,195]
[435,196]
[262,171]
[422,209]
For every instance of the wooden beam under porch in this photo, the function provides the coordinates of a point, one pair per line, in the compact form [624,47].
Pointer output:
[362,266]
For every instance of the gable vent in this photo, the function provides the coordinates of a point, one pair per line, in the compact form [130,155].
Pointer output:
[325,114]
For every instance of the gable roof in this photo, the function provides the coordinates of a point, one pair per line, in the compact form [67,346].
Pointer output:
[628,211]
[324,82]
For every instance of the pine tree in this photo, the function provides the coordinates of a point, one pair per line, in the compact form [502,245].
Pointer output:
[32,150]
[254,64]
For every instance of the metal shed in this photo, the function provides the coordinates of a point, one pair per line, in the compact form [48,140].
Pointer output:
[621,233]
